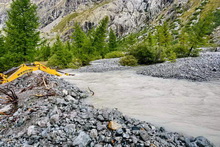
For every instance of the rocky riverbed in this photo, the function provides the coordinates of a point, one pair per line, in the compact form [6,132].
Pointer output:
[206,67]
[103,65]
[50,112]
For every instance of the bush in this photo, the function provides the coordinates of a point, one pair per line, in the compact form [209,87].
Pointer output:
[53,61]
[76,63]
[181,50]
[194,52]
[147,54]
[61,59]
[171,56]
[85,59]
[128,60]
[115,54]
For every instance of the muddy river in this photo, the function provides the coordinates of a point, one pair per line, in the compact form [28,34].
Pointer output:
[191,108]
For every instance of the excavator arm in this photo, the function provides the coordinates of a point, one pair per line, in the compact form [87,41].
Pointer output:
[27,68]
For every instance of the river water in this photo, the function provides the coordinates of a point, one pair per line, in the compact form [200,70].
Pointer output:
[191,108]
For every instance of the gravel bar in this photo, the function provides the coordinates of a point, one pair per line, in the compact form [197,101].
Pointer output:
[103,65]
[206,67]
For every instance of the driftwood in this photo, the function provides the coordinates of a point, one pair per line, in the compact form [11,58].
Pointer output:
[93,93]
[11,98]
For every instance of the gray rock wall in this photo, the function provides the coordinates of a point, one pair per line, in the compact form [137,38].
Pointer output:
[125,15]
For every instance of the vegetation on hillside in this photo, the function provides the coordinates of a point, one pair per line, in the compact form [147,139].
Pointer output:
[163,42]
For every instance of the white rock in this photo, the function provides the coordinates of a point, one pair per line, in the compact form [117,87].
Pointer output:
[31,130]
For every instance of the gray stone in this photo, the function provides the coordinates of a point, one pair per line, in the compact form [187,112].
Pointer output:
[144,135]
[98,145]
[94,133]
[54,118]
[65,92]
[31,130]
[61,101]
[7,109]
[70,128]
[203,142]
[125,135]
[100,117]
[134,139]
[147,143]
[82,140]
[100,126]
[69,98]
[119,132]
[43,122]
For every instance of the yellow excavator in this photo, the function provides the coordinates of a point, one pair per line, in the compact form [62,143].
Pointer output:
[16,72]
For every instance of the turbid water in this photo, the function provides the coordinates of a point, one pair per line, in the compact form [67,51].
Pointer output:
[191,108]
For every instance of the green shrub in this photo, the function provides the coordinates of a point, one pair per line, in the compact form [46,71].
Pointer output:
[53,61]
[128,60]
[61,59]
[85,59]
[76,63]
[194,52]
[181,50]
[171,56]
[114,54]
[147,54]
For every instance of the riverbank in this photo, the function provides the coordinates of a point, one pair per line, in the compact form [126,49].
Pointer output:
[50,112]
[103,65]
[206,67]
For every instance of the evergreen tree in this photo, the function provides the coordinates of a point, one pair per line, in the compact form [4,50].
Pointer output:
[100,36]
[183,38]
[78,35]
[2,54]
[61,59]
[68,46]
[44,52]
[58,45]
[2,46]
[22,36]
[78,39]
[163,35]
[112,41]
[150,39]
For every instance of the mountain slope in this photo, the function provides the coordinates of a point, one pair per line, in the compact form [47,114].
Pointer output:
[126,16]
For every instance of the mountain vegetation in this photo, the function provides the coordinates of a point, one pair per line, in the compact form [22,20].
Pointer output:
[164,39]
[21,37]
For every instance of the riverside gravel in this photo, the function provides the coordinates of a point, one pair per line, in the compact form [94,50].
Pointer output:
[206,67]
[103,65]
[65,120]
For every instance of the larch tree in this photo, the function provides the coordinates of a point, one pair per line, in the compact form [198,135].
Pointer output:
[2,46]
[22,36]
[100,37]
[112,44]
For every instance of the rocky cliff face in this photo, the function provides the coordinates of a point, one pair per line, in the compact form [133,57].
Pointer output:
[126,16]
